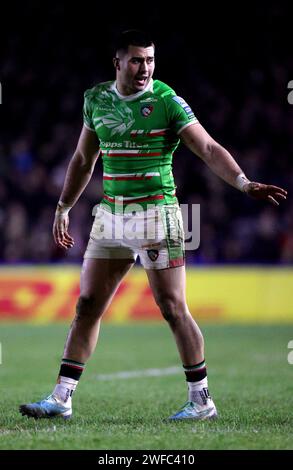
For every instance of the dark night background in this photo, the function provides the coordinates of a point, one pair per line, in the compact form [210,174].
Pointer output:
[231,64]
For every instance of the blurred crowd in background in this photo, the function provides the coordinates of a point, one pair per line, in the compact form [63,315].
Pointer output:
[240,100]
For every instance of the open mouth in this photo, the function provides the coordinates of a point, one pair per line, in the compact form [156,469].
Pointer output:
[140,81]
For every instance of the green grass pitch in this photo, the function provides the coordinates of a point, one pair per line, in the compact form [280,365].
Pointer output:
[250,380]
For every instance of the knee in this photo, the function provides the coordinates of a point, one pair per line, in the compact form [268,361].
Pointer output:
[172,309]
[86,307]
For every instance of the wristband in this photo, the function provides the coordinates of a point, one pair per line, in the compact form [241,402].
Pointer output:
[241,181]
[63,208]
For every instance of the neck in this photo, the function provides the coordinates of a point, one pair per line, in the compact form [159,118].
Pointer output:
[123,90]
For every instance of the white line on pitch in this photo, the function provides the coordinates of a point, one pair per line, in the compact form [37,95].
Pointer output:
[129,374]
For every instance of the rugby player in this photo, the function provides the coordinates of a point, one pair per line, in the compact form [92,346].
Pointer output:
[135,124]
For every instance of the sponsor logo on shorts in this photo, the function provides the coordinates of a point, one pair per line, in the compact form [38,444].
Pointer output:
[153,254]
[146,110]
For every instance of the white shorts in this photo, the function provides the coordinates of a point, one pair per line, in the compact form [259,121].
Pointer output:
[155,235]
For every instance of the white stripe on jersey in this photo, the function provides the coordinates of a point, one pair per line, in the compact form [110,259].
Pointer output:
[112,152]
[117,175]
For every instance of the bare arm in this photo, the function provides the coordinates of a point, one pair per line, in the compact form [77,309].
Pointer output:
[78,175]
[80,167]
[221,162]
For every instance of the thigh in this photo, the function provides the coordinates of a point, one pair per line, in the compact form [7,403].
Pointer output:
[100,279]
[166,248]
[168,283]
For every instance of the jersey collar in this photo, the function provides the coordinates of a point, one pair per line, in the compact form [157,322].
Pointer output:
[135,95]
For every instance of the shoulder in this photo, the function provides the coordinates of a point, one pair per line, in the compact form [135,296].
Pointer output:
[95,91]
[172,101]
[162,89]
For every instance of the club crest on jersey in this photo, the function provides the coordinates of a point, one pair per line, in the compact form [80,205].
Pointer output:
[153,254]
[146,110]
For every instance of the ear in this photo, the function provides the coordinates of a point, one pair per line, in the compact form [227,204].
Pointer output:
[116,63]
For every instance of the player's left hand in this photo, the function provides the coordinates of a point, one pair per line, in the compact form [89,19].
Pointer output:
[266,192]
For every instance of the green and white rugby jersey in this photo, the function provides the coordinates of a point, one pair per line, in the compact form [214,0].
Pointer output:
[138,135]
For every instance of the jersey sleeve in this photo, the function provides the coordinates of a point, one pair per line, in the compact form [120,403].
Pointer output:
[87,112]
[179,113]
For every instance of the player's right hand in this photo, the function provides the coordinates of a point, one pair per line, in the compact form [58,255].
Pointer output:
[60,230]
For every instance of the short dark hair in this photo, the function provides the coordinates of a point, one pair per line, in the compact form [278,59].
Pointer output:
[132,37]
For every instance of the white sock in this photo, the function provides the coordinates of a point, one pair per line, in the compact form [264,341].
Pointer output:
[65,388]
[198,392]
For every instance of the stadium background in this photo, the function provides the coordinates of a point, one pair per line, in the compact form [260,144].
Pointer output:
[232,65]
[234,74]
